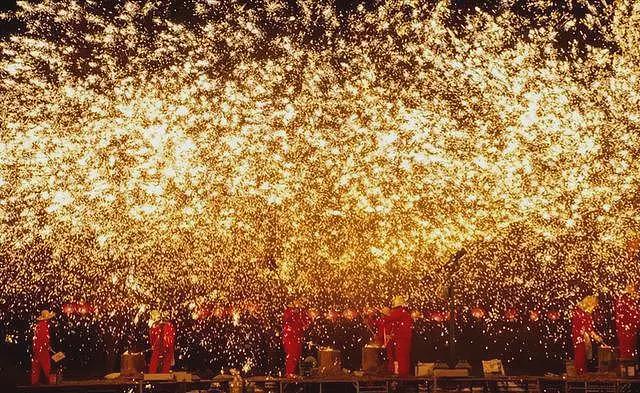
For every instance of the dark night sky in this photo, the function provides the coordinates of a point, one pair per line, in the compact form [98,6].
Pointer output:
[7,27]
[580,34]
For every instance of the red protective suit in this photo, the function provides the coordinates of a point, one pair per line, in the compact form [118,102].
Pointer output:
[399,345]
[627,316]
[581,326]
[40,358]
[295,322]
[162,337]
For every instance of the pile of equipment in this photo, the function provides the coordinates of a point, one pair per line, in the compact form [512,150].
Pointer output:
[373,359]
[329,361]
[132,365]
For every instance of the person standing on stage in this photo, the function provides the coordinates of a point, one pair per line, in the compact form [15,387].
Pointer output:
[399,342]
[296,321]
[627,317]
[583,331]
[162,338]
[40,353]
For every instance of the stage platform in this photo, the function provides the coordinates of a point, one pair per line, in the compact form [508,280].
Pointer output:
[365,384]
[117,386]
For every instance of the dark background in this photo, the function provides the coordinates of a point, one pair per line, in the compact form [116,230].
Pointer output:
[578,36]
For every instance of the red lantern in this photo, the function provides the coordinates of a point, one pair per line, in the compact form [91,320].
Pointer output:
[477,312]
[438,316]
[204,313]
[633,246]
[218,312]
[252,308]
[68,308]
[553,315]
[82,308]
[534,315]
[511,314]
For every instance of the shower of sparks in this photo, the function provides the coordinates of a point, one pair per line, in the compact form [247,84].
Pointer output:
[254,153]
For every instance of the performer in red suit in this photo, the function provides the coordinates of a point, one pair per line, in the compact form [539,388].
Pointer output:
[162,337]
[627,316]
[295,323]
[583,331]
[40,353]
[399,344]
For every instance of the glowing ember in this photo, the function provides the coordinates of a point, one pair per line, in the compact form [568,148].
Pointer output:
[477,312]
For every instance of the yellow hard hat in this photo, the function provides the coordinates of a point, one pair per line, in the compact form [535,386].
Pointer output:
[154,315]
[45,314]
[398,301]
[589,303]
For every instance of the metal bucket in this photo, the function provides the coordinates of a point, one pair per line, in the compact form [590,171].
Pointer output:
[132,364]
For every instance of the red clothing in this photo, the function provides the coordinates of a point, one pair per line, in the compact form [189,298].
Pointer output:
[162,337]
[399,346]
[581,326]
[580,357]
[627,316]
[295,323]
[40,359]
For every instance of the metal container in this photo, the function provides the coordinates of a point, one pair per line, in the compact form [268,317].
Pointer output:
[308,366]
[132,364]
[627,368]
[607,360]
[570,367]
[373,359]
[330,361]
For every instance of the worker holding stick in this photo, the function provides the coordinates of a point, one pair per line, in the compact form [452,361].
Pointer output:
[583,332]
[41,348]
[627,317]
[398,342]
[296,321]
[162,336]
